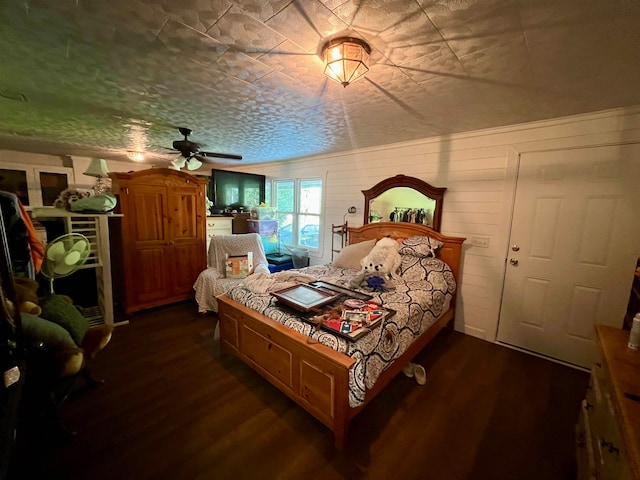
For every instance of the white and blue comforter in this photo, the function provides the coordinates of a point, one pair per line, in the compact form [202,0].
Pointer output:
[419,298]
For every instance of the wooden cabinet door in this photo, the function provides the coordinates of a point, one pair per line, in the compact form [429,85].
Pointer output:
[187,230]
[149,245]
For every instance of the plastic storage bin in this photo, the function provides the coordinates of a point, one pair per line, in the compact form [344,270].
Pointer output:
[262,213]
[262,227]
[300,257]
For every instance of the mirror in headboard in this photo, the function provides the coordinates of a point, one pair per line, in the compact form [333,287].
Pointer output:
[403,198]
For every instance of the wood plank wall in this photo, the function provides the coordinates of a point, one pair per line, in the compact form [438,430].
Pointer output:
[479,171]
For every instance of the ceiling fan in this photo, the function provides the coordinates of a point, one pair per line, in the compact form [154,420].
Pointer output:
[191,155]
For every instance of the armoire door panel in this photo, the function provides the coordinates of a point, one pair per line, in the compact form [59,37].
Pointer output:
[188,261]
[149,214]
[151,275]
[186,223]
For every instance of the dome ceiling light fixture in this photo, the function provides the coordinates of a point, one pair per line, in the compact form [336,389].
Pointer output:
[346,59]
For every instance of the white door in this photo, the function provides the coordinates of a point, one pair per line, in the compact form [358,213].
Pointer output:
[575,240]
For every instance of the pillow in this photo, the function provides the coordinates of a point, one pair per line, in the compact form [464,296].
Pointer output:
[350,256]
[415,269]
[420,246]
[41,332]
[58,310]
[104,202]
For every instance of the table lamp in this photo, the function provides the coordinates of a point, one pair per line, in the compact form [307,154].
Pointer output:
[98,168]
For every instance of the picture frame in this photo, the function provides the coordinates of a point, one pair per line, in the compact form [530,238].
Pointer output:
[305,297]
[347,293]
[238,266]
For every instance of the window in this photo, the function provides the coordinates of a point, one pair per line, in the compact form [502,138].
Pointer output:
[299,207]
[35,186]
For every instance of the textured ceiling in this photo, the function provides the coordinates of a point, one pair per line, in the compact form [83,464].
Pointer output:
[103,77]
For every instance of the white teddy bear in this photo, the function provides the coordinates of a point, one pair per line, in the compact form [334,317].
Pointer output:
[382,261]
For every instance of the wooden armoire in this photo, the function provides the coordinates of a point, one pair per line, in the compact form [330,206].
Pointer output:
[159,247]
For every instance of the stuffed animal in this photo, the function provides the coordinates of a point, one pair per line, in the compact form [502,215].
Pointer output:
[70,195]
[383,261]
[60,330]
[27,295]
[376,283]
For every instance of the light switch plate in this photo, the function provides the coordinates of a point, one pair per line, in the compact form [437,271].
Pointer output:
[480,242]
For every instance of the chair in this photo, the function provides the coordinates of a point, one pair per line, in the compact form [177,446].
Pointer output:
[212,281]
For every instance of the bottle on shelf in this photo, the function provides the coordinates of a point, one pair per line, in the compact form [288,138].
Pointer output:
[634,336]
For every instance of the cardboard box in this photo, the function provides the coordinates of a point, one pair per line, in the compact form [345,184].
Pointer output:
[239,266]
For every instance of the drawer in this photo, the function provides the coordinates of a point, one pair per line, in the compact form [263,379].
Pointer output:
[585,448]
[267,355]
[600,431]
[219,226]
[611,445]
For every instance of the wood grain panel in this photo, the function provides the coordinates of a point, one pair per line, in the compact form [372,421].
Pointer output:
[276,360]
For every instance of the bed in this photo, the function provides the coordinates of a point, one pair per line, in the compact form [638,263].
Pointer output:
[332,378]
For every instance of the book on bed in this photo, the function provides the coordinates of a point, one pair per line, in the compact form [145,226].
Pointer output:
[336,309]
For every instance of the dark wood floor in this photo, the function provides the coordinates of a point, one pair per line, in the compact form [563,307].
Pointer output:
[173,407]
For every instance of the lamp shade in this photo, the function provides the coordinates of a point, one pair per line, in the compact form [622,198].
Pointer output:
[178,162]
[346,60]
[193,164]
[97,168]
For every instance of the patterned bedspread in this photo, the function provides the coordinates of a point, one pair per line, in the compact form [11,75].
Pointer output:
[421,296]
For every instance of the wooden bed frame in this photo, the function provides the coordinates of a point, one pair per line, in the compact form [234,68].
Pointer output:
[313,375]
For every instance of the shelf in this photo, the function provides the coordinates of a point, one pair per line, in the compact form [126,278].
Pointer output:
[340,230]
[95,227]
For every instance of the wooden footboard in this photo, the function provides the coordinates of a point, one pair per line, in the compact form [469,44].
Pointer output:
[313,375]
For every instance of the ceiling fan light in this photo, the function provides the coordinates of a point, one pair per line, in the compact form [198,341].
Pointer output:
[346,60]
[135,156]
[193,164]
[179,162]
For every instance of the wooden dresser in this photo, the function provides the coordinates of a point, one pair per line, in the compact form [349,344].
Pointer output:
[218,226]
[162,236]
[608,432]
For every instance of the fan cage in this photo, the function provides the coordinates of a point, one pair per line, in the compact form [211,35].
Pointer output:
[89,228]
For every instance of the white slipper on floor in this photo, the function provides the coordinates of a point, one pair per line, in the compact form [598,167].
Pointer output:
[420,374]
[408,370]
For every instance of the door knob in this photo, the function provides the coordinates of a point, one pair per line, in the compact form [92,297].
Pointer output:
[513,261]
[515,248]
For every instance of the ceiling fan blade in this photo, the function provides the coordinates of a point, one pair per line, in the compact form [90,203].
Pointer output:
[230,156]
